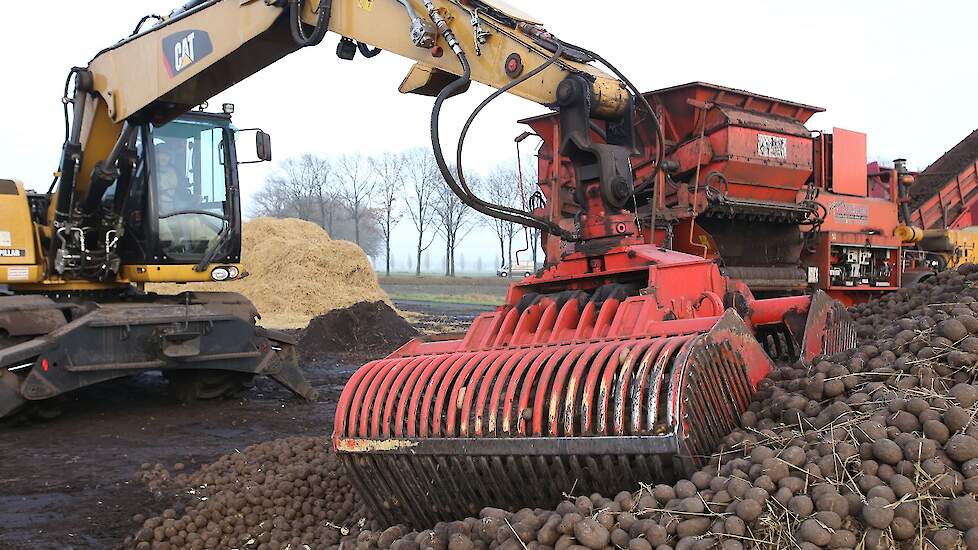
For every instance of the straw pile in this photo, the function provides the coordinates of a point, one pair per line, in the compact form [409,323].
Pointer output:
[297,272]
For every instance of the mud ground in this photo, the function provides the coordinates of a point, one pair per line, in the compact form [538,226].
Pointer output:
[68,483]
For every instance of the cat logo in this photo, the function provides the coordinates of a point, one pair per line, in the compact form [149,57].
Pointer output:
[183,49]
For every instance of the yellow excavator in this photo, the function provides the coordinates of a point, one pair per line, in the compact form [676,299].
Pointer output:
[147,188]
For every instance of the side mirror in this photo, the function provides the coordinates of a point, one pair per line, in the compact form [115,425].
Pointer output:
[263,146]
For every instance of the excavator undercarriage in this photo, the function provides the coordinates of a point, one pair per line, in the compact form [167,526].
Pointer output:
[206,344]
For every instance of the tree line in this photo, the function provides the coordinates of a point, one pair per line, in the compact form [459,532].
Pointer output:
[365,199]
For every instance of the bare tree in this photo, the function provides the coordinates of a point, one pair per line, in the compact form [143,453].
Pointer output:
[502,187]
[423,180]
[454,220]
[296,188]
[321,188]
[389,169]
[357,188]
[272,200]
[308,187]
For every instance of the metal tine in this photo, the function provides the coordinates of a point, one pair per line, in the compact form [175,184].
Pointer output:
[542,496]
[690,395]
[439,478]
[626,466]
[441,406]
[496,409]
[645,473]
[577,471]
[413,466]
[700,401]
[391,474]
[503,481]
[560,474]
[727,388]
[351,467]
[513,469]
[592,473]
[574,396]
[483,485]
[469,486]
[729,361]
[621,397]
[559,390]
[544,471]
[705,371]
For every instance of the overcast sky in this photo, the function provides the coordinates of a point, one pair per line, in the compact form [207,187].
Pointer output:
[902,71]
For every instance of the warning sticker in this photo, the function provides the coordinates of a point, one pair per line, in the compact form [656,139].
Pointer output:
[775,147]
[5,238]
[845,212]
[367,5]
[17,273]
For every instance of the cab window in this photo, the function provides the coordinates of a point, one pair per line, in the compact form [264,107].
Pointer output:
[189,168]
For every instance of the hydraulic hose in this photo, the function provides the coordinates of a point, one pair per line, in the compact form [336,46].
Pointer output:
[318,32]
[438,151]
[139,26]
[468,124]
[367,51]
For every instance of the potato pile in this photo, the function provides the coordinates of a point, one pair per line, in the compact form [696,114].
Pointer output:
[871,449]
[288,493]
[875,448]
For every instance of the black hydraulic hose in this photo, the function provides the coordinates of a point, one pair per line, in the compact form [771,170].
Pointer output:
[367,51]
[468,124]
[446,171]
[65,101]
[144,19]
[318,32]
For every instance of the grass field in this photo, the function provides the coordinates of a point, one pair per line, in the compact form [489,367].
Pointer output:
[488,291]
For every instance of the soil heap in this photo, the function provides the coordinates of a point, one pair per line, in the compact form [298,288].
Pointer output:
[296,273]
[373,329]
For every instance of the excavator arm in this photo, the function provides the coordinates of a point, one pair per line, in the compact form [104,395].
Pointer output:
[206,46]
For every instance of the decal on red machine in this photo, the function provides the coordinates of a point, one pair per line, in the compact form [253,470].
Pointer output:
[184,48]
[846,212]
[775,147]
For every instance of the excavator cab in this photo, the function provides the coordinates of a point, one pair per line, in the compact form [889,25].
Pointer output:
[179,220]
[185,207]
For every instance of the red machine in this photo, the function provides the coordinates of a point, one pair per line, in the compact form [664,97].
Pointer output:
[945,195]
[621,361]
[743,175]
